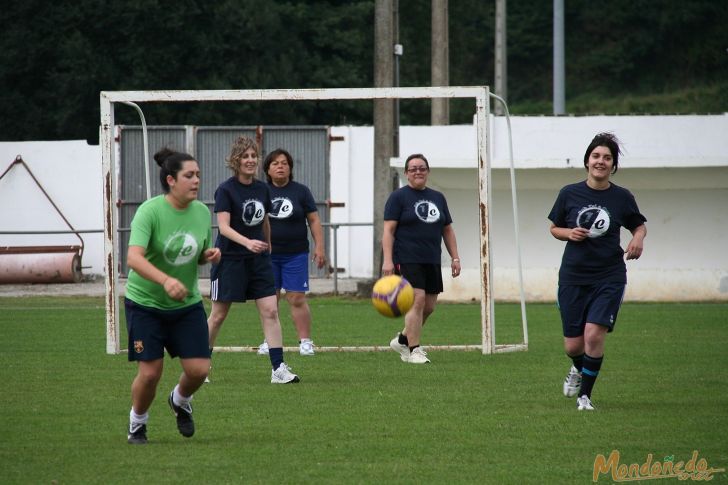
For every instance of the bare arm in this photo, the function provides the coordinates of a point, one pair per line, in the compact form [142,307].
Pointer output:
[255,246]
[636,245]
[317,233]
[136,260]
[451,244]
[266,231]
[388,247]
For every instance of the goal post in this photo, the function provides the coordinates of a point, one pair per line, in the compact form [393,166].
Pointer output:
[110,170]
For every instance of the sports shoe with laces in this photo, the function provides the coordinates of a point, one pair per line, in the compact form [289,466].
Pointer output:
[418,356]
[572,382]
[185,425]
[283,375]
[403,350]
[263,348]
[306,348]
[137,434]
[583,403]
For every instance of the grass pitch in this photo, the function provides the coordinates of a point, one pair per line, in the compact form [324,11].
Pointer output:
[364,417]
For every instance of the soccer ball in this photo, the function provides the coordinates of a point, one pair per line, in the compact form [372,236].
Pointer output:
[392,296]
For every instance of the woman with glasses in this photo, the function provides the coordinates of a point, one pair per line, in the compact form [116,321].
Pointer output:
[416,222]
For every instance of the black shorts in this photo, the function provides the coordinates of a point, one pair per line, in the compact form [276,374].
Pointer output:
[243,279]
[183,332]
[598,303]
[426,277]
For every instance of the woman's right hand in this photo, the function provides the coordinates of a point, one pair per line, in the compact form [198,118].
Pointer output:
[387,268]
[255,246]
[578,234]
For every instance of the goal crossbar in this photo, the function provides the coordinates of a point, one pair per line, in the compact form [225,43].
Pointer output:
[480,94]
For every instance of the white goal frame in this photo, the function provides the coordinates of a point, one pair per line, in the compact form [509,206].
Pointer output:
[480,94]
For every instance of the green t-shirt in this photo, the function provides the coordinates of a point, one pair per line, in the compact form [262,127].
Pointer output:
[174,240]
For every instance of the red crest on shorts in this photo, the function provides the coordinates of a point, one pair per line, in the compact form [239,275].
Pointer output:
[138,346]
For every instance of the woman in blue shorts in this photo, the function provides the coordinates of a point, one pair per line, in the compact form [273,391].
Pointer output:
[242,204]
[588,215]
[294,208]
[416,222]
[170,236]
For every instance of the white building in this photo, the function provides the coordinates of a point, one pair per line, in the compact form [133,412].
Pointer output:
[676,166]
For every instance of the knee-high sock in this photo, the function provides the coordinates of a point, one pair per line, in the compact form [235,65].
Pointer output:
[589,372]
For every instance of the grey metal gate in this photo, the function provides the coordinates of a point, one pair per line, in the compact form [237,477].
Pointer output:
[308,145]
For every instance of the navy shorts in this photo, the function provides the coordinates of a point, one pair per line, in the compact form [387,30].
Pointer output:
[243,279]
[598,303]
[290,271]
[426,277]
[183,332]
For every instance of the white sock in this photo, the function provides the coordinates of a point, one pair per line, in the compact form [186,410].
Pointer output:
[135,418]
[304,340]
[179,399]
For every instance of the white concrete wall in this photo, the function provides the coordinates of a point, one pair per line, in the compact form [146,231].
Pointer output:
[677,167]
[70,172]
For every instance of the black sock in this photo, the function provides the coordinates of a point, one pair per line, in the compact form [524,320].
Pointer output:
[276,356]
[413,348]
[578,361]
[402,339]
[589,373]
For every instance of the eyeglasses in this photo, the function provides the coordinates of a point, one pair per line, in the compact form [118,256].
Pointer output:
[417,169]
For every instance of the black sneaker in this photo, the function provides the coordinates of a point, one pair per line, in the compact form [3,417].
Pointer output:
[137,434]
[185,425]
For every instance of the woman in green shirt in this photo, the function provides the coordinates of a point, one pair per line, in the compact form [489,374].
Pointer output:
[170,236]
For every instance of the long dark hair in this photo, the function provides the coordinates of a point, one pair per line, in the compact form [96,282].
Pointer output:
[608,140]
[170,162]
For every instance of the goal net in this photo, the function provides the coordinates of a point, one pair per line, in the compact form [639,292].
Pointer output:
[481,98]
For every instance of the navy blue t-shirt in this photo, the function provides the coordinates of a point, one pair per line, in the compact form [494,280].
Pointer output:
[247,205]
[421,216]
[599,258]
[291,204]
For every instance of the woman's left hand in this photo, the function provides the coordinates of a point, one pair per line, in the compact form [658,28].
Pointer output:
[455,266]
[212,255]
[319,259]
[634,249]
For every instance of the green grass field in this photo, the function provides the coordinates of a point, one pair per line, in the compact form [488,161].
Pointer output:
[364,417]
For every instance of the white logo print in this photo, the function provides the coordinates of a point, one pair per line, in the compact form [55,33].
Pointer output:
[282,208]
[180,248]
[253,212]
[594,218]
[427,211]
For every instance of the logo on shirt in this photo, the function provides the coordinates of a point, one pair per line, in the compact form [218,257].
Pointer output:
[282,208]
[253,212]
[594,218]
[180,248]
[427,211]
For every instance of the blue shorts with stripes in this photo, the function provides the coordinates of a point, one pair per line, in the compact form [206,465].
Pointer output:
[243,279]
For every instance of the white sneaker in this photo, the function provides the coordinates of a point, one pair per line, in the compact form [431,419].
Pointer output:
[283,375]
[572,382]
[418,356]
[306,348]
[263,349]
[404,351]
[583,403]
